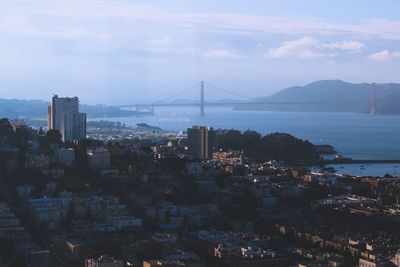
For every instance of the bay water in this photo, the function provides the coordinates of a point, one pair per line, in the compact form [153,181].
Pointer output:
[355,135]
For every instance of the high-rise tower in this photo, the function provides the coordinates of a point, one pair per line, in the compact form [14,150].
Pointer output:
[64,116]
[201,142]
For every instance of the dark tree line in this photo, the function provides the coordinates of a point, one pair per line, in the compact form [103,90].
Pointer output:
[274,146]
[6,128]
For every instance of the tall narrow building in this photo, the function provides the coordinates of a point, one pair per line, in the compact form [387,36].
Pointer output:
[64,116]
[201,142]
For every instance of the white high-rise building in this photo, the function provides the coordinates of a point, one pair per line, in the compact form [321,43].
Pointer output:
[64,116]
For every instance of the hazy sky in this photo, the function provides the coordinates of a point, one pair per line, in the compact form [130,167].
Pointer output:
[121,51]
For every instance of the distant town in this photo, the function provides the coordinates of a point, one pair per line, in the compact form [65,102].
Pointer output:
[100,193]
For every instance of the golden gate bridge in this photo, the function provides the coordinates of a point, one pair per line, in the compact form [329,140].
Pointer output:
[245,100]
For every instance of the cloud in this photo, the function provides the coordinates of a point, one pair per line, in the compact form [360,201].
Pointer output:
[128,12]
[22,24]
[119,25]
[305,47]
[191,51]
[384,56]
[381,56]
[163,40]
[81,33]
[220,53]
[351,46]
[308,47]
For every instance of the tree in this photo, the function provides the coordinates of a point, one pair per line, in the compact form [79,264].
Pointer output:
[22,136]
[251,141]
[6,248]
[6,128]
[53,136]
[229,139]
[275,146]
[41,132]
[283,146]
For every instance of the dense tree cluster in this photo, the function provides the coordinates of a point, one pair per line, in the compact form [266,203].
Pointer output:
[52,137]
[274,146]
[6,128]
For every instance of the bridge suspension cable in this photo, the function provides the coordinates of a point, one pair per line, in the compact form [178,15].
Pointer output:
[227,91]
[177,93]
[197,84]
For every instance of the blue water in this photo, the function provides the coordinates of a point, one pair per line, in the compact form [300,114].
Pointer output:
[359,136]
[368,169]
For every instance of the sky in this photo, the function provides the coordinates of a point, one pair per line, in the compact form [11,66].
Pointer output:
[126,51]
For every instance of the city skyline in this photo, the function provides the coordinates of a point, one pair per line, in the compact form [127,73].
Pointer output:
[139,51]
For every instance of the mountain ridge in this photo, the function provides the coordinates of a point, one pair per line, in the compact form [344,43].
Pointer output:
[333,96]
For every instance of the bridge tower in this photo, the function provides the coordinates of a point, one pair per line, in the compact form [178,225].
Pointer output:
[373,99]
[202,98]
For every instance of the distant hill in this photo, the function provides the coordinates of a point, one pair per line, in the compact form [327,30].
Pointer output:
[16,108]
[332,96]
